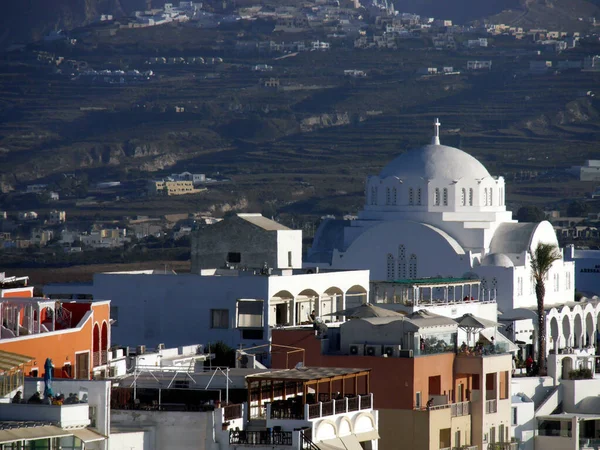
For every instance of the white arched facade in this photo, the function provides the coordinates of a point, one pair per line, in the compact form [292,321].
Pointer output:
[573,327]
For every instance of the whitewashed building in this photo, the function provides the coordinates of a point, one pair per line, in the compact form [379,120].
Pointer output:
[437,212]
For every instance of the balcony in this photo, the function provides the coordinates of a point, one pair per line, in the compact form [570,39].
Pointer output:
[504,446]
[340,406]
[491,406]
[589,444]
[456,409]
[261,437]
[65,416]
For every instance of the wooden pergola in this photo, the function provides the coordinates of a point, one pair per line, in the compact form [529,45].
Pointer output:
[323,381]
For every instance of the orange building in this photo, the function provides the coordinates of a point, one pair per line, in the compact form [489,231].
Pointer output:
[448,399]
[75,334]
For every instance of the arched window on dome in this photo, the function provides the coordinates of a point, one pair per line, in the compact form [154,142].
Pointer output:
[411,195]
[485,197]
[394,196]
[470,196]
[390,267]
[419,196]
[373,195]
[412,266]
[445,197]
[388,196]
[436,197]
[500,197]
[401,262]
[491,198]
[463,197]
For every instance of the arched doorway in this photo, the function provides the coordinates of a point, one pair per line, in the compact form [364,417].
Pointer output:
[567,366]
[590,334]
[104,344]
[333,299]
[554,333]
[578,331]
[356,296]
[96,345]
[280,309]
[306,302]
[566,329]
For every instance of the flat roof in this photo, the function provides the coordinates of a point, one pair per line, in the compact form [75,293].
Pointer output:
[569,416]
[419,281]
[306,374]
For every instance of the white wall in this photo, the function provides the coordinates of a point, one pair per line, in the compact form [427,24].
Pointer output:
[536,388]
[131,440]
[289,241]
[171,430]
[98,392]
[524,429]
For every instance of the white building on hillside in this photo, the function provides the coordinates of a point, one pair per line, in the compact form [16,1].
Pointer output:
[437,212]
[234,306]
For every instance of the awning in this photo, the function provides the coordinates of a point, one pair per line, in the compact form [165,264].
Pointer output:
[9,360]
[87,435]
[351,442]
[331,444]
[368,436]
[32,433]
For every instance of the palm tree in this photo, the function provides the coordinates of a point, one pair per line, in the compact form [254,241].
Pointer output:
[542,259]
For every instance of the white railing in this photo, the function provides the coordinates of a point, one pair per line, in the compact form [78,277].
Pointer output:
[341,406]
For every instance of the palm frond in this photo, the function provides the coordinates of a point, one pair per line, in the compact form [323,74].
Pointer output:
[542,258]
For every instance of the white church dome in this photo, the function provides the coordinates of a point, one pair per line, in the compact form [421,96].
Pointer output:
[497,260]
[435,162]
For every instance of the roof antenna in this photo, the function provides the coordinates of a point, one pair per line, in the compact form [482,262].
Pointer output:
[436,137]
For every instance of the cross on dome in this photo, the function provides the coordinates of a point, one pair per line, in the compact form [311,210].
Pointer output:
[436,136]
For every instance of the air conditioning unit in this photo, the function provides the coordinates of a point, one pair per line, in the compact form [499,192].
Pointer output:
[357,349]
[392,351]
[373,350]
[405,353]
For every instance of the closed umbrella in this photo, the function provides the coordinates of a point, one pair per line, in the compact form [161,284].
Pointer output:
[471,323]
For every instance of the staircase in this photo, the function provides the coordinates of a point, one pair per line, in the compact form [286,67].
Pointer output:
[550,403]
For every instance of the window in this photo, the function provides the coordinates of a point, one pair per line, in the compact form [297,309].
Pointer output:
[253,334]
[436,197]
[219,318]
[556,283]
[411,200]
[470,196]
[412,266]
[485,197]
[388,196]
[568,281]
[34,373]
[519,286]
[514,417]
[500,196]
[491,197]
[419,196]
[373,195]
[67,371]
[289,259]
[463,197]
[445,197]
[234,257]
[401,262]
[394,196]
[418,400]
[390,266]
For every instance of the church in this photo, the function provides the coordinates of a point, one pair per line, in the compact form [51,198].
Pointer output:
[436,211]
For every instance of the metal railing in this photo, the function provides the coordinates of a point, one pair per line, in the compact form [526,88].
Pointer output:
[504,446]
[232,412]
[307,443]
[261,437]
[460,409]
[465,447]
[339,406]
[96,359]
[491,406]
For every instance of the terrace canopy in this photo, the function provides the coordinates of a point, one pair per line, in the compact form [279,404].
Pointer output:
[267,387]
